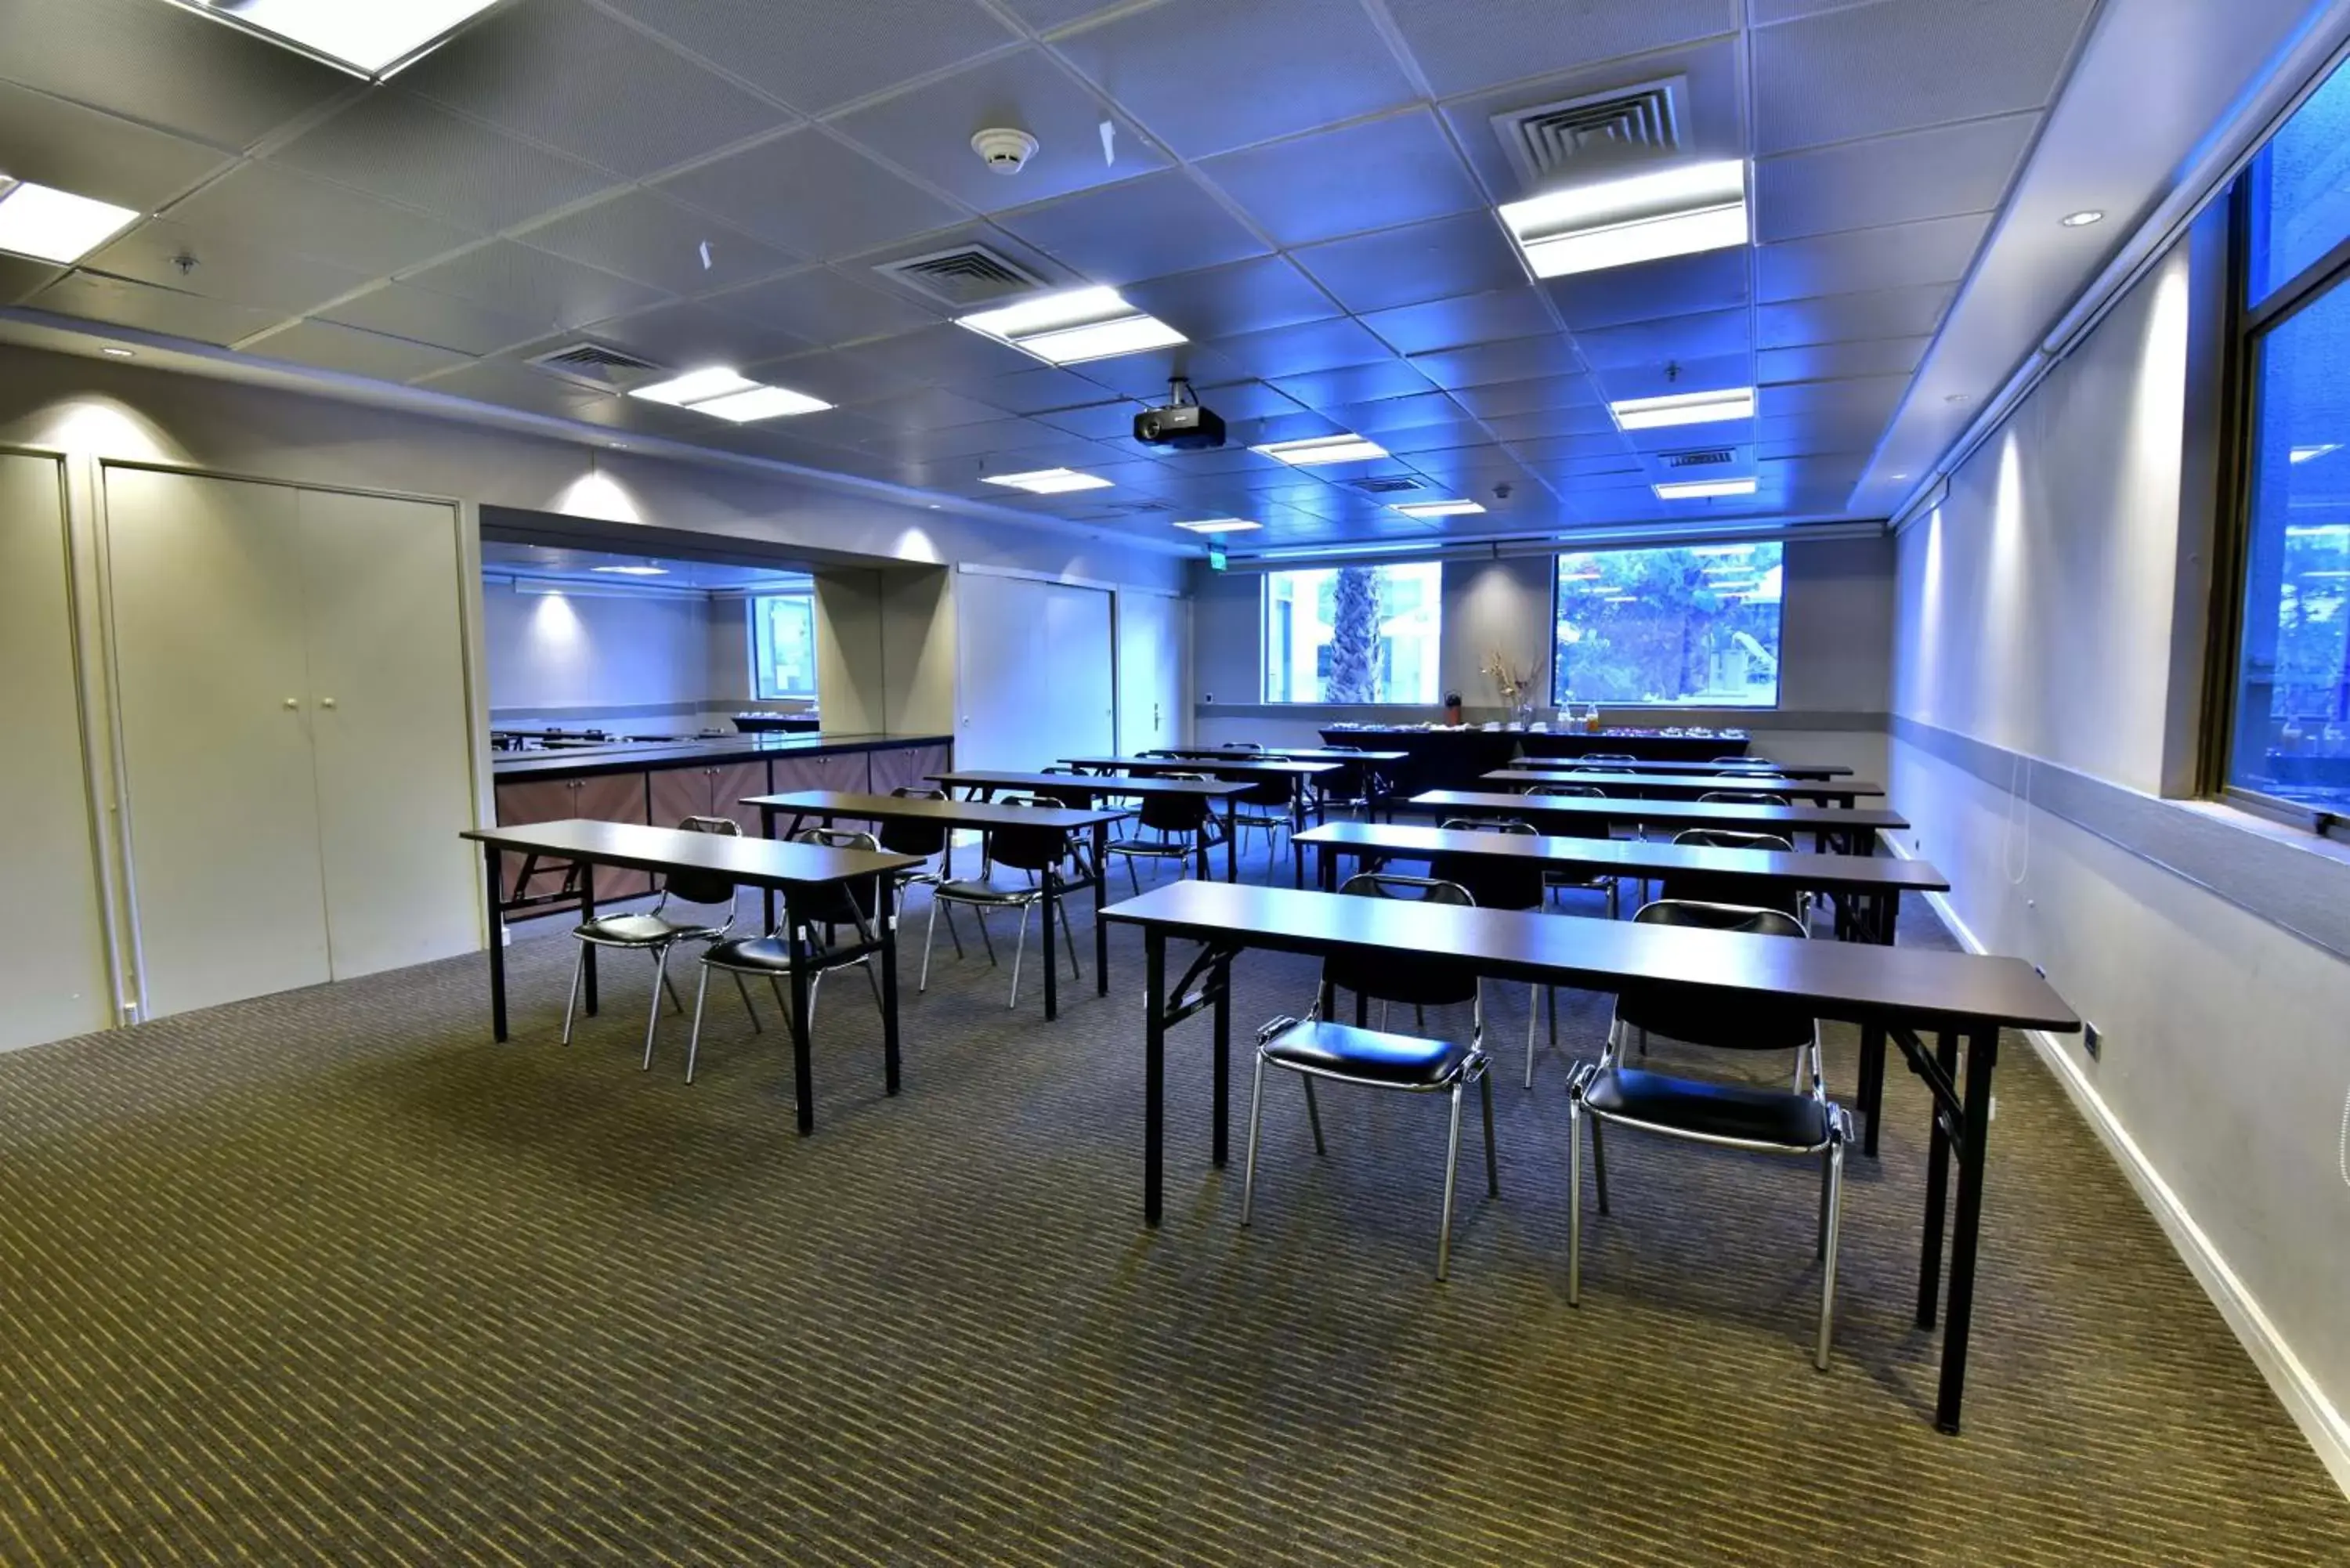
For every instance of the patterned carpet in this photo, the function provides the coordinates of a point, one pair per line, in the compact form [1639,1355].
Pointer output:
[329,1278]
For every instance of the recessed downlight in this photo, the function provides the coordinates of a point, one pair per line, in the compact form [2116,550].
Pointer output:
[2083,219]
[1049,481]
[118,353]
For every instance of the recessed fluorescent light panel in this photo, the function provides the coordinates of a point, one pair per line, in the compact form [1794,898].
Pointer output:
[2310,454]
[1222,525]
[53,225]
[1073,327]
[1439,508]
[370,38]
[728,396]
[1321,449]
[1703,489]
[1049,481]
[1672,212]
[1684,409]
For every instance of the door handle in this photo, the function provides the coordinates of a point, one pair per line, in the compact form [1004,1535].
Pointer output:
[326,701]
[292,703]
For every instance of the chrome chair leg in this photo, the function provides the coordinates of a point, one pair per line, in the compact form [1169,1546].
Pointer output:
[1069,933]
[578,962]
[652,1014]
[1256,1123]
[1451,1175]
[1534,1008]
[1828,1264]
[1313,1116]
[1598,1165]
[666,985]
[745,987]
[1573,1201]
[1493,1159]
[1020,950]
[694,1039]
[930,941]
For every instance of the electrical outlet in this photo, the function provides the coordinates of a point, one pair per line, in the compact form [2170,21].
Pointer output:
[2092,1041]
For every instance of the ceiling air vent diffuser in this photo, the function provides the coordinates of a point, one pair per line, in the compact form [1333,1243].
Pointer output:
[596,367]
[1699,459]
[1552,141]
[970,275]
[1394,486]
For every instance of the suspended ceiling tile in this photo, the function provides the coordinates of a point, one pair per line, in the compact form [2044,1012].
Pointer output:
[53,142]
[1254,296]
[442,320]
[1391,414]
[1045,15]
[1544,424]
[128,304]
[276,281]
[1463,321]
[654,241]
[267,206]
[1912,312]
[821,306]
[1237,400]
[1561,448]
[404,149]
[944,355]
[837,378]
[1315,187]
[817,55]
[1850,398]
[514,385]
[1937,250]
[1464,47]
[1144,228]
[928,132]
[1521,397]
[1466,254]
[533,286]
[1651,290]
[1098,421]
[1305,348]
[1207,76]
[967,439]
[1145,375]
[20,276]
[1037,391]
[1325,390]
[1900,65]
[565,76]
[932,407]
[1706,335]
[687,336]
[1515,359]
[162,65]
[1901,178]
[1659,381]
[353,352]
[810,195]
[1435,436]
[1835,361]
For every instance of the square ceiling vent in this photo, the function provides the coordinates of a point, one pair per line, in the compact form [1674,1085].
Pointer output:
[1562,142]
[964,277]
[596,367]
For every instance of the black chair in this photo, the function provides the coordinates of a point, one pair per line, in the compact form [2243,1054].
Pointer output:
[927,839]
[1494,884]
[1351,788]
[1760,764]
[1313,1047]
[1568,880]
[820,913]
[1696,887]
[1265,806]
[1801,1121]
[1743,797]
[657,932]
[1181,826]
[1039,852]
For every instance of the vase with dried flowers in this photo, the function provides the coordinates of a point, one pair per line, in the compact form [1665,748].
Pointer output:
[1514,678]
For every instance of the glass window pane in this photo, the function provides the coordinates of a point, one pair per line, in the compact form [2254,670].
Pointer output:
[1352,634]
[2293,695]
[783,629]
[1697,626]
[2300,205]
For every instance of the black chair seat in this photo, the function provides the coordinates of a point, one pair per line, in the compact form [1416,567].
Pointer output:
[640,930]
[754,955]
[1152,846]
[987,893]
[1402,1059]
[1735,1111]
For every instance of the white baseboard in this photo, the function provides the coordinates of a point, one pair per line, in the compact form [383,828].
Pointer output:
[2320,1422]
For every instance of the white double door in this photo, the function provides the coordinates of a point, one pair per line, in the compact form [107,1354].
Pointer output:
[295,734]
[1036,672]
[1151,646]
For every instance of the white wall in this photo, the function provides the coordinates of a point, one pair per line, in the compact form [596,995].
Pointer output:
[2036,610]
[578,658]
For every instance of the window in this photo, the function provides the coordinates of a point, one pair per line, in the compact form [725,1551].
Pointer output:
[2287,692]
[783,645]
[1352,634]
[1697,625]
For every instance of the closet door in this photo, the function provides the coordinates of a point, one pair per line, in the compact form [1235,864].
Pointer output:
[388,713]
[53,979]
[1005,676]
[1149,671]
[1082,690]
[207,578]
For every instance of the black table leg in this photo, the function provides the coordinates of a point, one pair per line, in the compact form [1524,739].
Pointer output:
[888,982]
[1101,927]
[1938,1186]
[1888,916]
[1297,856]
[1327,855]
[1872,1084]
[588,913]
[1982,1056]
[803,1075]
[1231,838]
[1222,981]
[1154,1069]
[497,943]
[767,830]
[1052,948]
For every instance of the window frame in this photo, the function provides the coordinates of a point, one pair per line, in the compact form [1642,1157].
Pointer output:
[1264,634]
[2239,405]
[1550,649]
[762,664]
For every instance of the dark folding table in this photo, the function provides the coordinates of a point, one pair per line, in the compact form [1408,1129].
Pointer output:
[1646,785]
[791,870]
[829,806]
[1846,829]
[1665,765]
[984,783]
[1254,769]
[1906,993]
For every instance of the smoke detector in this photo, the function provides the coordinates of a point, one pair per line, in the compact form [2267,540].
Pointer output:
[1003,150]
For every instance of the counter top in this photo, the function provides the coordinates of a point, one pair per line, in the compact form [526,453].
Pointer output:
[620,756]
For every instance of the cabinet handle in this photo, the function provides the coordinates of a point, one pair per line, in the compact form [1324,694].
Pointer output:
[291,704]
[326,701]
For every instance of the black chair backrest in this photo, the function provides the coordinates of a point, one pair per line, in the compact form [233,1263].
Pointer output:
[922,838]
[703,887]
[1265,792]
[1723,838]
[1176,812]
[1609,757]
[838,903]
[1028,848]
[1077,797]
[1243,745]
[1570,827]
[1491,883]
[1730,1023]
[1743,797]
[1701,888]
[1762,764]
[1411,980]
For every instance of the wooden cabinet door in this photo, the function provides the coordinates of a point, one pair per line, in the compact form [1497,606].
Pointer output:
[907,766]
[732,783]
[678,793]
[207,582]
[614,797]
[799,772]
[521,802]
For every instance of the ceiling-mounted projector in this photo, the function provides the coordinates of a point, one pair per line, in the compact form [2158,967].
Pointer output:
[1181,423]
